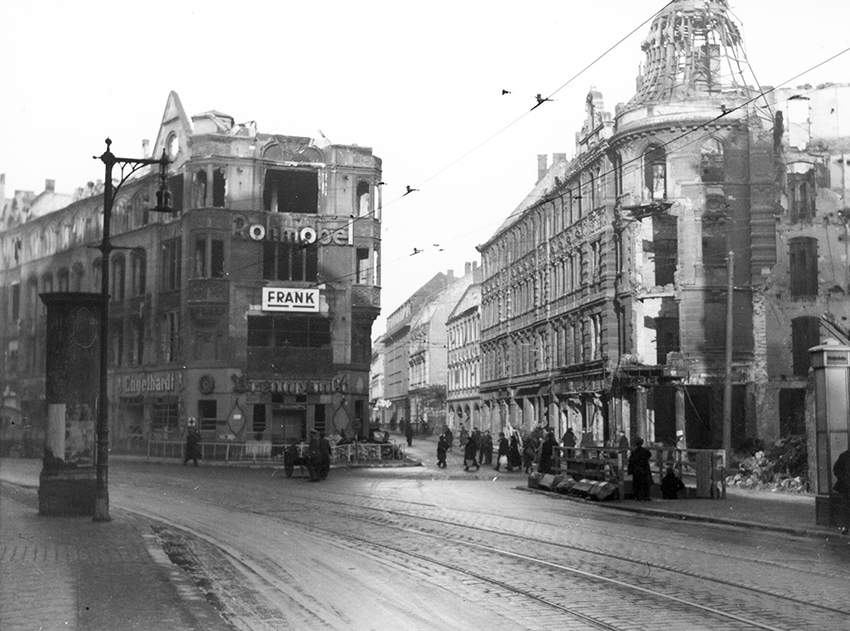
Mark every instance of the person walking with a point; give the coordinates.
(529, 453)
(485, 451)
(442, 448)
(463, 439)
(469, 456)
(504, 448)
(450, 437)
(314, 456)
(324, 456)
(408, 433)
(193, 444)
(841, 470)
(640, 470)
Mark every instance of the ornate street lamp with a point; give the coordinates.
(163, 204)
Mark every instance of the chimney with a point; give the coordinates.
(467, 268)
(146, 148)
(542, 158)
(49, 186)
(474, 265)
(451, 274)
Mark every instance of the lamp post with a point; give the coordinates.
(128, 167)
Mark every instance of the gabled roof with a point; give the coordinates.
(471, 299)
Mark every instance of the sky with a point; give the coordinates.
(419, 82)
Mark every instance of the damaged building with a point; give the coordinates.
(605, 294)
(249, 308)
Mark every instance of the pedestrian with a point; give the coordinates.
(623, 442)
(442, 448)
(324, 456)
(485, 451)
(502, 455)
(514, 459)
(469, 456)
(640, 470)
(841, 470)
(547, 452)
(529, 453)
(569, 438)
(314, 456)
(193, 444)
(463, 438)
(408, 433)
(450, 437)
(671, 484)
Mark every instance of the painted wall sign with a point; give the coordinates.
(149, 383)
(290, 299)
(273, 228)
(241, 383)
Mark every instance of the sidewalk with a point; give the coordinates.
(778, 512)
(72, 573)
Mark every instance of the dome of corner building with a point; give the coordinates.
(693, 51)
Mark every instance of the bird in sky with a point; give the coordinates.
(380, 183)
(410, 190)
(415, 251)
(504, 92)
(540, 101)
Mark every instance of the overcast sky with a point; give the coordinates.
(419, 82)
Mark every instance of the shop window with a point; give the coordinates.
(207, 415)
(164, 418)
(170, 264)
(805, 333)
(289, 331)
(291, 191)
(258, 422)
(655, 172)
(290, 261)
(712, 166)
(803, 266)
(219, 188)
(319, 418)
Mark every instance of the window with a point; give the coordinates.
(63, 279)
(138, 271)
(801, 190)
(290, 261)
(164, 417)
(298, 331)
(291, 192)
(596, 336)
(199, 189)
(116, 341)
(362, 274)
(209, 256)
(219, 188)
(364, 199)
(77, 275)
(666, 338)
(597, 256)
(712, 167)
(207, 415)
(655, 172)
(12, 357)
(805, 333)
(258, 423)
(16, 300)
(803, 266)
(170, 336)
(175, 187)
(171, 259)
(117, 277)
(137, 343)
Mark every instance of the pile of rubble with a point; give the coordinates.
(598, 490)
(781, 469)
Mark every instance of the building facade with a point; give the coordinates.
(463, 374)
(605, 293)
(249, 308)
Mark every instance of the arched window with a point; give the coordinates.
(77, 275)
(655, 172)
(712, 165)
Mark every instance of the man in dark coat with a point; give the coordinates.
(450, 437)
(408, 433)
(640, 470)
(470, 454)
(514, 459)
(546, 452)
(314, 456)
(442, 448)
(193, 444)
(503, 451)
(485, 450)
(841, 470)
(671, 484)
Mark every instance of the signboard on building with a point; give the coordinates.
(290, 299)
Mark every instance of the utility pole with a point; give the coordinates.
(727, 388)
(128, 167)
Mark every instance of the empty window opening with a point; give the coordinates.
(258, 424)
(171, 255)
(362, 266)
(712, 166)
(666, 338)
(792, 411)
(364, 198)
(666, 247)
(801, 191)
(175, 187)
(291, 331)
(138, 271)
(803, 263)
(200, 189)
(219, 188)
(118, 280)
(805, 333)
(290, 261)
(170, 336)
(655, 172)
(291, 192)
(64, 279)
